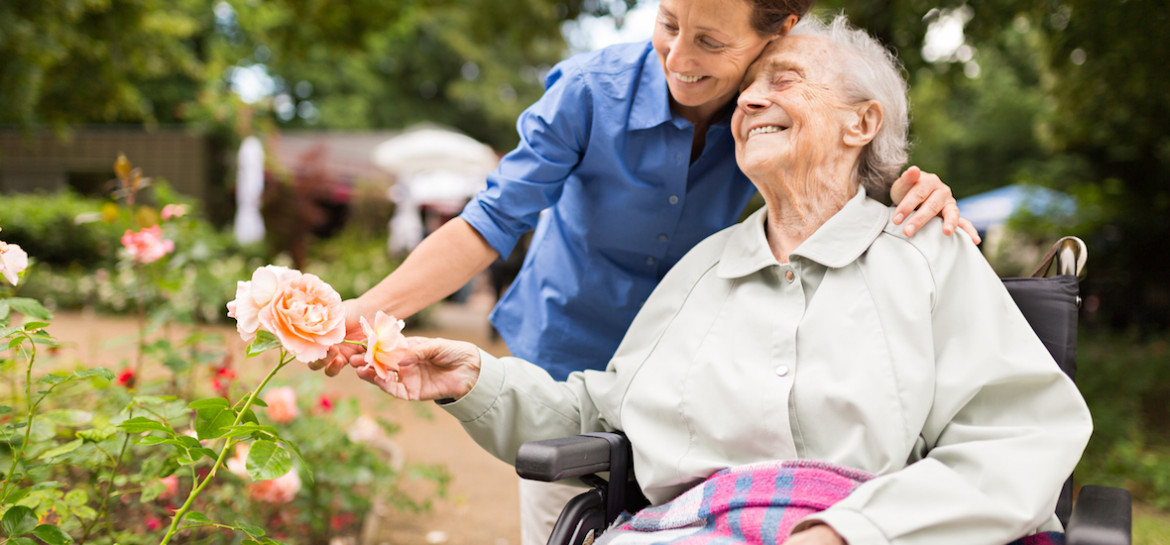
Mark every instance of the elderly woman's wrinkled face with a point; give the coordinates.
(790, 114)
(705, 47)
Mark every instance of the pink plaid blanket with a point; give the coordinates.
(757, 503)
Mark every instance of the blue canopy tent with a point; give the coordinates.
(997, 206)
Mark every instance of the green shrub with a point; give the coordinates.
(1126, 382)
(61, 228)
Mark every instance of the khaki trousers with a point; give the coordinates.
(540, 505)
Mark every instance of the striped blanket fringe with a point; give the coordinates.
(752, 504)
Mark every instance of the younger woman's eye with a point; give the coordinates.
(710, 44)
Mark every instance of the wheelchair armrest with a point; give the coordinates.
(567, 457)
(582, 456)
(1101, 516)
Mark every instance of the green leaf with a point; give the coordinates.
(16, 342)
(4, 309)
(263, 342)
(139, 424)
(69, 417)
(30, 307)
(76, 497)
(196, 516)
(63, 449)
(18, 521)
(5, 409)
(22, 541)
(266, 460)
(97, 435)
(210, 423)
(95, 372)
(52, 535)
(252, 531)
(7, 330)
(34, 326)
(206, 452)
(209, 403)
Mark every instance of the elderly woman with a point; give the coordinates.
(813, 331)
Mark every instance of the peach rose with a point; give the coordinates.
(280, 490)
(147, 245)
(13, 260)
(256, 294)
(238, 464)
(172, 211)
(385, 345)
(307, 316)
(282, 404)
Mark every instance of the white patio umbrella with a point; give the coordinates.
(429, 149)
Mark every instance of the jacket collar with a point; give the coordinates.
(837, 243)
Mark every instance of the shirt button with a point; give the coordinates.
(673, 199)
(662, 238)
(649, 260)
(782, 371)
(678, 159)
(789, 276)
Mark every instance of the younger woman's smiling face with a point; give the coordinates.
(705, 48)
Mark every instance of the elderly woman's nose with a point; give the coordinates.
(680, 57)
(752, 98)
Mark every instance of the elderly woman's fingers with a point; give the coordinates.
(391, 387)
(335, 365)
(935, 202)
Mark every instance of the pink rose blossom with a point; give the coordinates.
(238, 464)
(172, 211)
(385, 344)
(170, 487)
(307, 316)
(282, 405)
(280, 490)
(256, 294)
(147, 245)
(13, 260)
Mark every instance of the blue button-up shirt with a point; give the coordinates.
(608, 162)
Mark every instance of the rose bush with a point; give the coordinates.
(91, 456)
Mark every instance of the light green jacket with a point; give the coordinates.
(902, 357)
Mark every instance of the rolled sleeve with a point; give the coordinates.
(554, 133)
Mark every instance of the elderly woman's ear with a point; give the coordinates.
(864, 122)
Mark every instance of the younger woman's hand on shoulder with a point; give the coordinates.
(925, 192)
(430, 369)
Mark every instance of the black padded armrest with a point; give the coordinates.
(1102, 515)
(566, 457)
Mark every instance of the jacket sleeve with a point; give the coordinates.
(1005, 430)
(515, 401)
(554, 133)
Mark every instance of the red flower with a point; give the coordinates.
(222, 379)
(153, 522)
(325, 404)
(341, 521)
(126, 378)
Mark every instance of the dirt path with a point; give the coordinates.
(481, 504)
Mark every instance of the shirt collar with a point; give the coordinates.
(837, 243)
(651, 98)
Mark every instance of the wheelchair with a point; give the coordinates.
(1049, 300)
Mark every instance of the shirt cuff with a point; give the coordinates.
(484, 394)
(851, 525)
(477, 216)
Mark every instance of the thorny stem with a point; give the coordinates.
(32, 356)
(106, 493)
(285, 358)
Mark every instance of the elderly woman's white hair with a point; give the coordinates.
(869, 71)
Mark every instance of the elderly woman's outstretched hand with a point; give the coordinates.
(430, 369)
